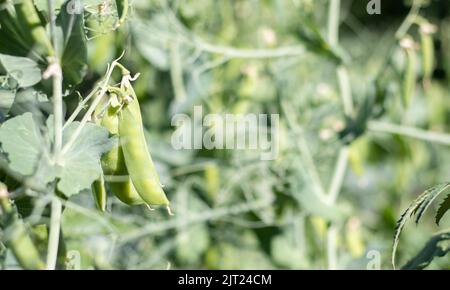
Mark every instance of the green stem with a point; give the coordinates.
(341, 165)
(409, 20)
(339, 174)
(430, 136)
(333, 22)
(53, 238)
(176, 72)
(56, 73)
(104, 87)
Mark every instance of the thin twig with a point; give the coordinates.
(429, 136)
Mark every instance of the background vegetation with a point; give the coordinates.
(358, 142)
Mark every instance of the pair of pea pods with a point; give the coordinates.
(128, 169)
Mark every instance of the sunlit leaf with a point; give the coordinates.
(24, 70)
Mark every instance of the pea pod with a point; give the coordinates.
(410, 75)
(99, 191)
(427, 44)
(113, 163)
(122, 11)
(135, 151)
(15, 235)
(25, 10)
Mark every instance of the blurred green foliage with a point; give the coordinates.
(232, 210)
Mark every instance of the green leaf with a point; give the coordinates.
(6, 100)
(287, 253)
(443, 208)
(21, 140)
(417, 209)
(12, 38)
(81, 164)
(42, 5)
(24, 70)
(191, 241)
(149, 41)
(437, 246)
(74, 58)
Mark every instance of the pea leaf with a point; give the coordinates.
(13, 38)
(25, 147)
(149, 41)
(81, 164)
(24, 70)
(21, 140)
(6, 100)
(74, 58)
(287, 253)
(191, 241)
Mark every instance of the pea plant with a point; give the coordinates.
(88, 89)
(45, 155)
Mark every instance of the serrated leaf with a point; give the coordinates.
(437, 246)
(443, 208)
(417, 209)
(434, 193)
(24, 70)
(21, 140)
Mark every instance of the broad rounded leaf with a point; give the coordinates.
(21, 140)
(81, 164)
(24, 70)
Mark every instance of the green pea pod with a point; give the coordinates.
(99, 191)
(410, 74)
(25, 10)
(122, 11)
(15, 235)
(137, 158)
(427, 44)
(410, 78)
(113, 164)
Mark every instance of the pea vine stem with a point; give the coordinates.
(54, 70)
(412, 132)
(103, 88)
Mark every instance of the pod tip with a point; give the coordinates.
(169, 211)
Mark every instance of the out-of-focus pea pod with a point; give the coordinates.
(100, 195)
(427, 44)
(25, 10)
(212, 178)
(135, 151)
(98, 187)
(353, 237)
(359, 150)
(410, 74)
(15, 235)
(122, 11)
